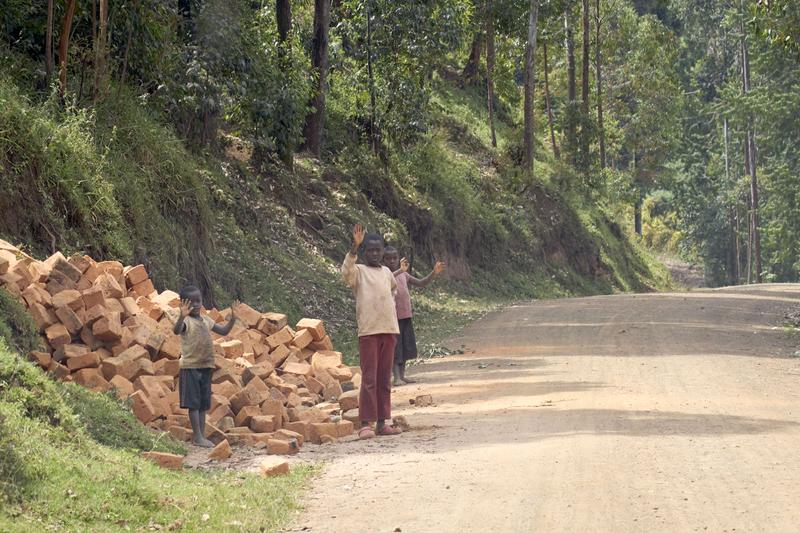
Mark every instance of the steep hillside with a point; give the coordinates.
(117, 183)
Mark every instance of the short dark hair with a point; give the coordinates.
(187, 291)
(389, 250)
(373, 237)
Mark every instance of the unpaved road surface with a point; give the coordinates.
(631, 413)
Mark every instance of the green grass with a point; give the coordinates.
(69, 459)
(16, 325)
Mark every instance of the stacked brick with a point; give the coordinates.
(106, 327)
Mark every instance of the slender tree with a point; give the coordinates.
(490, 67)
(750, 158)
(530, 51)
(48, 42)
(571, 127)
(319, 62)
(598, 61)
(63, 45)
(373, 134)
(550, 124)
(585, 90)
(283, 14)
(128, 43)
(101, 51)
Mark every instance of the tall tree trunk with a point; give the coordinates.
(63, 46)
(637, 215)
(372, 103)
(100, 52)
(746, 146)
(734, 264)
(530, 52)
(598, 66)
(737, 245)
(750, 153)
(48, 42)
(754, 220)
(490, 67)
(547, 103)
(186, 24)
(319, 62)
(283, 14)
(571, 127)
(637, 204)
(470, 73)
(585, 90)
(128, 44)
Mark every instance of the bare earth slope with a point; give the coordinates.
(657, 412)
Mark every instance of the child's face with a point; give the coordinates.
(196, 302)
(391, 260)
(373, 253)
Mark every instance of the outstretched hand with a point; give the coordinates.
(438, 268)
(404, 265)
(235, 308)
(186, 308)
(358, 235)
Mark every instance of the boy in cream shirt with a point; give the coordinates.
(374, 287)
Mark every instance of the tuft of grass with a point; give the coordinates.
(110, 422)
(16, 325)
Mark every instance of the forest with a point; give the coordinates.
(675, 119)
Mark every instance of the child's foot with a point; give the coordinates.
(408, 380)
(366, 433)
(386, 431)
(203, 442)
(398, 383)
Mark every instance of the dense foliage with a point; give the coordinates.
(633, 99)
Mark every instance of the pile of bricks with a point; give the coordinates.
(106, 327)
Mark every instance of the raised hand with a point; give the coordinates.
(404, 264)
(235, 308)
(358, 235)
(438, 268)
(186, 308)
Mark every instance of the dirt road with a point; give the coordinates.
(631, 413)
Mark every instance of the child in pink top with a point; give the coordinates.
(406, 346)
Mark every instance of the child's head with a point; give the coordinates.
(195, 297)
(391, 258)
(373, 249)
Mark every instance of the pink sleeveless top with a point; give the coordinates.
(402, 300)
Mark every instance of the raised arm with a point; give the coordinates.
(438, 268)
(349, 270)
(224, 330)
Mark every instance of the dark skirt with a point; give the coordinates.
(195, 388)
(406, 347)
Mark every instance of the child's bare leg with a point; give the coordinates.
(402, 367)
(397, 372)
(197, 419)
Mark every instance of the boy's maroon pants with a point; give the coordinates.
(377, 356)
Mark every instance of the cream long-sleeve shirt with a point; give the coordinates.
(374, 289)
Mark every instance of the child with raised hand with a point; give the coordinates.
(373, 286)
(406, 347)
(197, 359)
